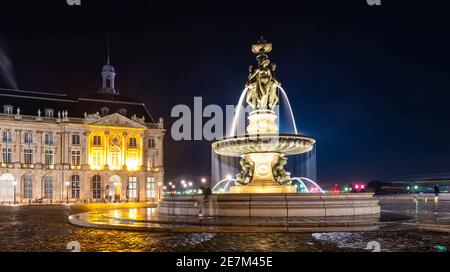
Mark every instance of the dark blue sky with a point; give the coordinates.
(371, 84)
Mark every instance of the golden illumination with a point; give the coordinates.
(115, 148)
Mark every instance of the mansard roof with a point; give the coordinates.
(30, 102)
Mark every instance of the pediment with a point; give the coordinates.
(116, 120)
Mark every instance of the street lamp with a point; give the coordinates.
(203, 180)
(15, 184)
(67, 192)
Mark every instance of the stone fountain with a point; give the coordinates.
(263, 150)
(263, 187)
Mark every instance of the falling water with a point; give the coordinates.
(302, 183)
(240, 114)
(314, 184)
(291, 113)
(302, 165)
(226, 187)
(222, 166)
(6, 66)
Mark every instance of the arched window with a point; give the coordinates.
(104, 111)
(122, 111)
(75, 186)
(48, 187)
(7, 187)
(27, 186)
(132, 187)
(96, 187)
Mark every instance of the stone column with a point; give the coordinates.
(86, 148)
(106, 149)
(39, 145)
(124, 149)
(18, 146)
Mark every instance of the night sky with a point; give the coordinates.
(370, 83)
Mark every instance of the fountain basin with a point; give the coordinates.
(273, 205)
(281, 143)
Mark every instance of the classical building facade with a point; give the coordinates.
(56, 148)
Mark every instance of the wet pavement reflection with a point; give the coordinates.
(45, 228)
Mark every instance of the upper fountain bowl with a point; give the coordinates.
(279, 143)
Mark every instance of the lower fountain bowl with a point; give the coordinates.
(272, 205)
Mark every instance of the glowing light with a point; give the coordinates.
(416, 187)
(228, 176)
(363, 186)
(203, 180)
(356, 186)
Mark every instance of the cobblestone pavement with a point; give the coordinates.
(45, 228)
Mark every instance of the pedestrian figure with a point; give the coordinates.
(203, 199)
(436, 190)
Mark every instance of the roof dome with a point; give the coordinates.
(108, 68)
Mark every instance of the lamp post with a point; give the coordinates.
(190, 186)
(15, 184)
(67, 192)
(159, 190)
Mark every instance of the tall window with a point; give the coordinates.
(152, 161)
(132, 187)
(48, 158)
(97, 159)
(75, 186)
(7, 155)
(150, 187)
(7, 136)
(151, 143)
(48, 187)
(96, 187)
(132, 161)
(133, 143)
(27, 186)
(97, 140)
(28, 137)
(28, 156)
(48, 139)
(115, 159)
(76, 139)
(76, 157)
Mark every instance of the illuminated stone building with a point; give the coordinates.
(57, 148)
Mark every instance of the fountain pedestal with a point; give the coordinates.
(263, 180)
